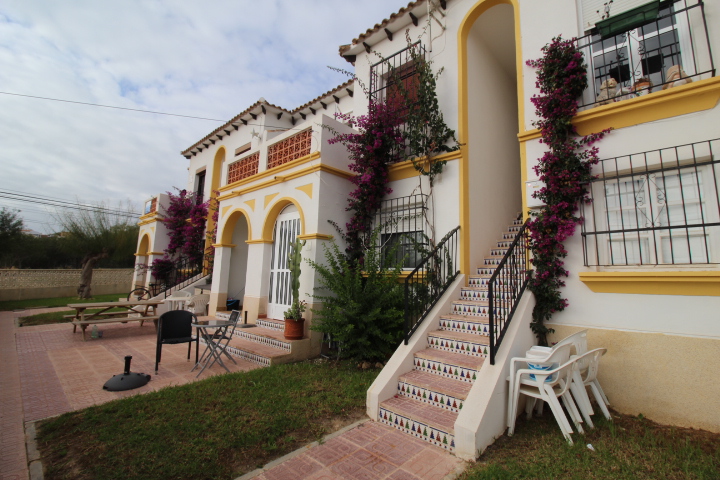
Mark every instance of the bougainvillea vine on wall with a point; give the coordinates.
(565, 169)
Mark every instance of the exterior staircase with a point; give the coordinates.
(430, 397)
(264, 344)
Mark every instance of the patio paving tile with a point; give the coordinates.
(369, 451)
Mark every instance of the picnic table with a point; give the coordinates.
(147, 311)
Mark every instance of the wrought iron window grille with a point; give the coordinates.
(403, 227)
(660, 207)
(640, 59)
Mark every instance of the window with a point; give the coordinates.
(387, 75)
(402, 227)
(641, 59)
(656, 208)
(200, 186)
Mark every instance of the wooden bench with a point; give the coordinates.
(83, 324)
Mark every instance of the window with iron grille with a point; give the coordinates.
(243, 168)
(290, 149)
(639, 60)
(660, 207)
(395, 80)
(402, 227)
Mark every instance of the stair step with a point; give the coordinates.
(427, 422)
(269, 323)
(448, 364)
(265, 336)
(492, 260)
(463, 323)
(428, 388)
(504, 244)
(258, 353)
(514, 228)
(498, 252)
(471, 344)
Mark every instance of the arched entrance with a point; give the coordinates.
(141, 262)
(237, 273)
(287, 228)
(492, 181)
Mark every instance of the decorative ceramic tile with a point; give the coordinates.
(478, 281)
(250, 357)
(474, 349)
(492, 261)
(289, 149)
(463, 326)
(514, 228)
(243, 168)
(285, 346)
(475, 309)
(504, 244)
(498, 252)
(431, 397)
(445, 369)
(418, 429)
(265, 323)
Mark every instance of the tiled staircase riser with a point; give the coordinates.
(430, 397)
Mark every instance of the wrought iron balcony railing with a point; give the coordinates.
(671, 50)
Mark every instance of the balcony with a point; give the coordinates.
(670, 50)
(660, 207)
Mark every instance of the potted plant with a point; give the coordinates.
(294, 321)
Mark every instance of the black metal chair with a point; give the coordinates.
(234, 318)
(174, 327)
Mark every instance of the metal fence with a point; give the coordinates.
(660, 207)
(650, 57)
(429, 281)
(506, 286)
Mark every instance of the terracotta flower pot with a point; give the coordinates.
(294, 329)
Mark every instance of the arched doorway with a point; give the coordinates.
(287, 228)
(493, 180)
(141, 262)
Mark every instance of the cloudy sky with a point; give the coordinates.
(208, 59)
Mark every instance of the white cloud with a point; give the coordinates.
(209, 59)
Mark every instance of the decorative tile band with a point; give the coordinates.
(514, 228)
(250, 357)
(445, 370)
(473, 349)
(476, 310)
(504, 244)
(463, 326)
(279, 327)
(431, 397)
(492, 261)
(417, 429)
(498, 251)
(263, 340)
(478, 281)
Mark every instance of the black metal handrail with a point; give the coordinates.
(506, 286)
(182, 274)
(428, 282)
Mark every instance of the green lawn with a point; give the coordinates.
(627, 448)
(219, 428)
(56, 302)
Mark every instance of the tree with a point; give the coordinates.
(10, 231)
(96, 233)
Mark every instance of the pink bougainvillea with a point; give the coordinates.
(565, 169)
(185, 220)
(371, 151)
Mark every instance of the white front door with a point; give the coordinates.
(287, 227)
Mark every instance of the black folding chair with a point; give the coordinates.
(175, 327)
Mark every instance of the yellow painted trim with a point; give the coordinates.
(155, 253)
(523, 179)
(148, 216)
(225, 210)
(315, 236)
(149, 221)
(228, 245)
(251, 204)
(463, 32)
(688, 98)
(229, 226)
(280, 179)
(406, 169)
(271, 172)
(269, 198)
(143, 245)
(250, 242)
(271, 217)
(703, 283)
(306, 189)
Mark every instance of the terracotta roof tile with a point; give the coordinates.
(378, 26)
(262, 101)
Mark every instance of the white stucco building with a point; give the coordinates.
(644, 277)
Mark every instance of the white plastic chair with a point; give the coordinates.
(585, 375)
(198, 304)
(548, 386)
(177, 300)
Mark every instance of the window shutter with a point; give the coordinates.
(590, 9)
